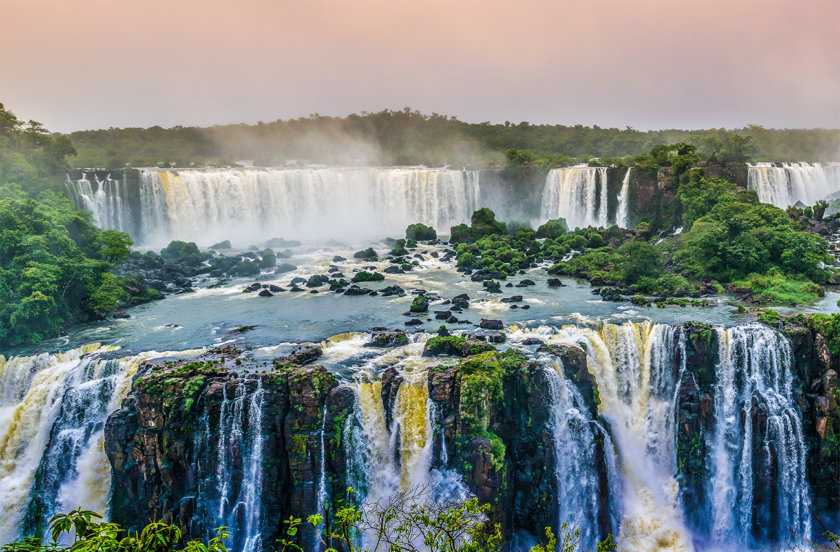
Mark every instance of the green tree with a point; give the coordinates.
(89, 534)
(642, 259)
(109, 295)
(114, 246)
(54, 261)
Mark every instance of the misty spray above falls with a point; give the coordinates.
(251, 205)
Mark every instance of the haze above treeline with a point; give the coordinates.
(409, 137)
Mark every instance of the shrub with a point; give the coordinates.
(182, 252)
(366, 254)
(248, 268)
(420, 232)
(268, 259)
(553, 228)
(364, 276)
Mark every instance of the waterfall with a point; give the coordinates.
(384, 459)
(109, 200)
(633, 364)
(396, 456)
(574, 452)
(578, 194)
(256, 204)
(788, 183)
(322, 480)
(757, 423)
(233, 495)
(637, 368)
(53, 409)
(622, 217)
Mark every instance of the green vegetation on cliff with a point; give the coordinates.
(54, 262)
(731, 239)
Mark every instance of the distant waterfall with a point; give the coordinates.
(52, 413)
(622, 217)
(109, 200)
(785, 184)
(578, 194)
(256, 204)
(757, 430)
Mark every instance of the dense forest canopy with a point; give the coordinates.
(409, 137)
(54, 262)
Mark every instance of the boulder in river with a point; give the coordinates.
(420, 304)
(356, 290)
(387, 338)
(317, 280)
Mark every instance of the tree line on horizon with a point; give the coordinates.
(409, 137)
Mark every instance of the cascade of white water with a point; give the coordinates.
(627, 361)
(107, 199)
(785, 184)
(238, 504)
(622, 217)
(385, 459)
(53, 411)
(578, 194)
(322, 479)
(254, 204)
(634, 365)
(574, 452)
(667, 356)
(754, 372)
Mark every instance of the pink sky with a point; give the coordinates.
(78, 64)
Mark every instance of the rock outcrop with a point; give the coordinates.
(492, 423)
(168, 442)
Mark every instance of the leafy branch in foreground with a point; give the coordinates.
(412, 521)
(797, 543)
(88, 534)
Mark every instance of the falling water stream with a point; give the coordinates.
(54, 406)
(318, 203)
(786, 184)
(53, 412)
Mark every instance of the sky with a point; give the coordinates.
(87, 64)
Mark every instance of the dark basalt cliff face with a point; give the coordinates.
(494, 412)
(492, 421)
(815, 369)
(167, 442)
(653, 197)
(164, 443)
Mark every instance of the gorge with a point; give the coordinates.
(669, 436)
